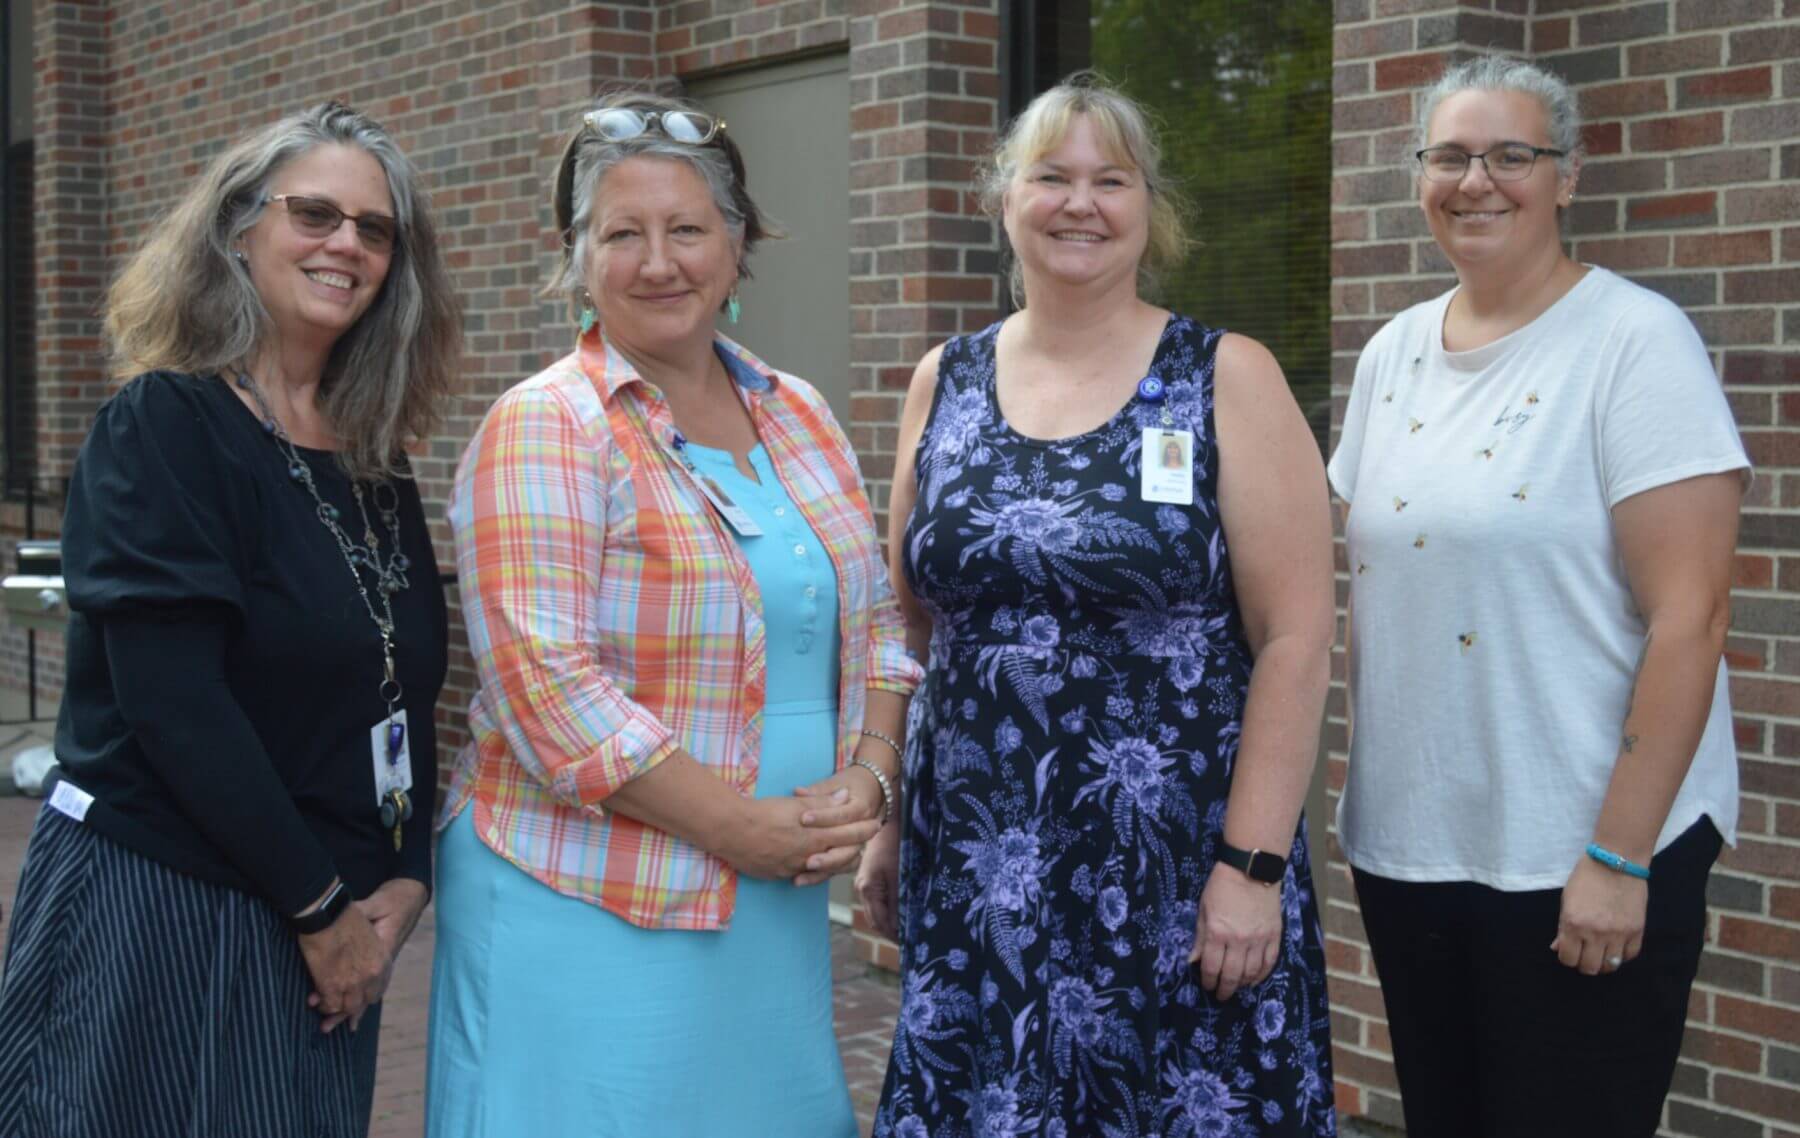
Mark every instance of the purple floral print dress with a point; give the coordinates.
(1068, 762)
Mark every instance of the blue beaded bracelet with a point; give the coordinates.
(1612, 860)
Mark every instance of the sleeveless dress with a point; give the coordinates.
(1068, 761)
(554, 1018)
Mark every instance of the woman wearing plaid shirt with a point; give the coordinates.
(692, 685)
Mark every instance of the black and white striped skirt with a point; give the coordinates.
(138, 1002)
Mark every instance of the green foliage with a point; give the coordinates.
(1242, 92)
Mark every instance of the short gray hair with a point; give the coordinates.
(1498, 73)
(185, 303)
(588, 158)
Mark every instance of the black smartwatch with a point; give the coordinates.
(325, 915)
(1257, 865)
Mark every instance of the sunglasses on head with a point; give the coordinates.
(318, 219)
(617, 124)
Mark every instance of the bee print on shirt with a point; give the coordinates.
(1488, 450)
(1361, 568)
(1412, 426)
(1419, 542)
(1520, 492)
(1465, 641)
(1399, 503)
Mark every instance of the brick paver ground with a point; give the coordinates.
(865, 1006)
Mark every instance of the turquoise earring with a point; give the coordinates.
(589, 317)
(733, 309)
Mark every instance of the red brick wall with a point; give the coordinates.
(1691, 189)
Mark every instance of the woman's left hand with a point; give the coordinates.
(850, 795)
(1602, 922)
(1238, 937)
(393, 911)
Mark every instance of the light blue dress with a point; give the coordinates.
(554, 1018)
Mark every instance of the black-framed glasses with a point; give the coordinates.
(616, 124)
(318, 219)
(1507, 162)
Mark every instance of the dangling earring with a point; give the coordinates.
(733, 309)
(589, 317)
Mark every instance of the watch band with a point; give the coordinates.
(1258, 865)
(326, 915)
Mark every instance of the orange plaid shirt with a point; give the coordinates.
(613, 619)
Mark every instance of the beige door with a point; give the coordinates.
(792, 121)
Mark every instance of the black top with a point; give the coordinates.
(223, 671)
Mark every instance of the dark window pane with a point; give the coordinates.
(1242, 92)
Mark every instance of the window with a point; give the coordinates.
(18, 454)
(1242, 91)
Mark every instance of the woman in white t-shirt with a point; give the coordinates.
(1545, 480)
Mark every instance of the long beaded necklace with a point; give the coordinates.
(390, 575)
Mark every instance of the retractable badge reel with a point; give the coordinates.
(1168, 453)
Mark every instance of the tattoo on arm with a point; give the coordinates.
(1628, 741)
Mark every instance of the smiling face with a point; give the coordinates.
(1483, 225)
(316, 288)
(1079, 214)
(660, 258)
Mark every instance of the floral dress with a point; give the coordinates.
(1069, 758)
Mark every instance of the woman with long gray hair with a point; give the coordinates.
(1542, 478)
(215, 892)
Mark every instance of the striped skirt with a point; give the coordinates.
(137, 1001)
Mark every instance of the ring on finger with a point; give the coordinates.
(1614, 962)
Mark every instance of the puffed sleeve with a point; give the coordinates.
(158, 519)
(155, 540)
(529, 515)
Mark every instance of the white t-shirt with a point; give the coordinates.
(1494, 638)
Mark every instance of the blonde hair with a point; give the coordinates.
(1125, 132)
(184, 303)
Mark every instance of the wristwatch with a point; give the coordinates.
(325, 915)
(1257, 865)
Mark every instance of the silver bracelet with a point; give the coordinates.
(898, 753)
(887, 788)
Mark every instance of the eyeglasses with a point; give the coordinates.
(318, 219)
(616, 124)
(1507, 162)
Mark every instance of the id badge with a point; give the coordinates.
(1168, 466)
(735, 515)
(393, 764)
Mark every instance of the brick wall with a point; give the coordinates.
(1691, 189)
(925, 104)
(135, 97)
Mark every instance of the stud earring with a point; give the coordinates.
(239, 255)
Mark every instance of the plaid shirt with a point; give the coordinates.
(614, 620)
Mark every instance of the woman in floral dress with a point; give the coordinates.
(1115, 709)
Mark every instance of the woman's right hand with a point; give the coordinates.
(878, 880)
(772, 841)
(349, 968)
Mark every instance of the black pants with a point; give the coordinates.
(1494, 1038)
